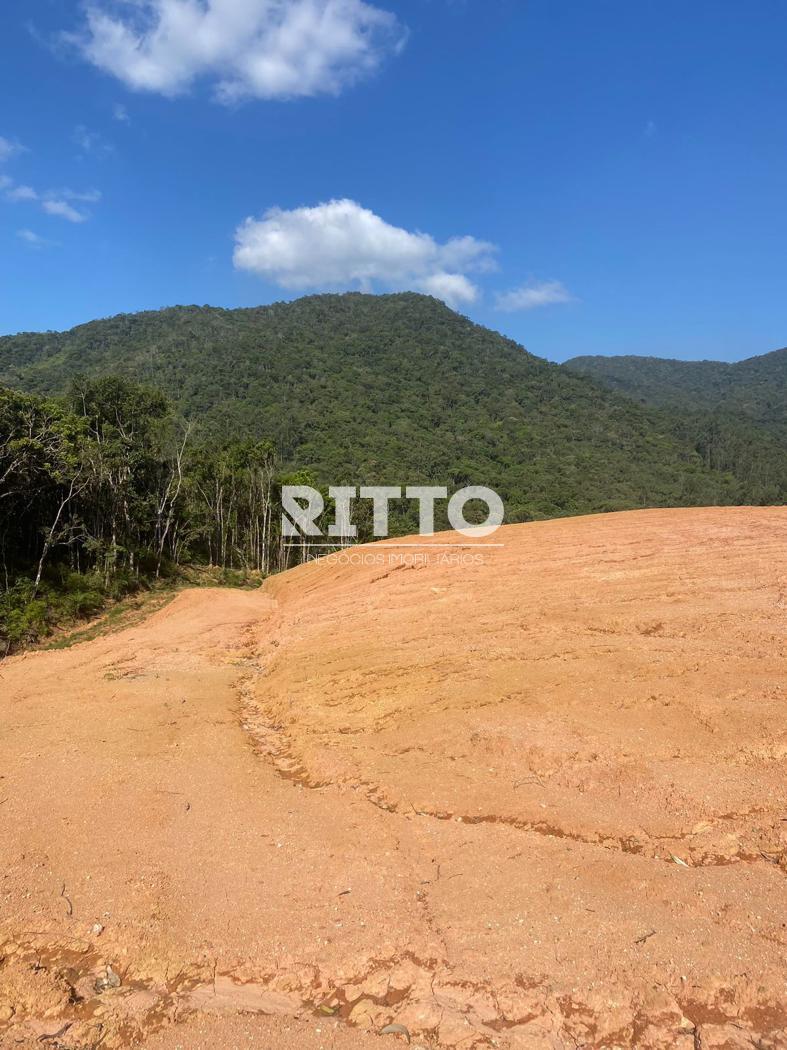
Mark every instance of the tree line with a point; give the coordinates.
(108, 487)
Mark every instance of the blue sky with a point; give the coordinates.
(588, 176)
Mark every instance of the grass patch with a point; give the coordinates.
(72, 608)
(123, 614)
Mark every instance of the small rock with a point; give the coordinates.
(6, 1013)
(364, 1014)
(97, 929)
(108, 979)
(397, 1030)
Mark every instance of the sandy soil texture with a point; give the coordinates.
(526, 796)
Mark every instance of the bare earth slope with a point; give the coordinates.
(534, 802)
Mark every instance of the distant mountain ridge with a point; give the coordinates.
(398, 388)
(754, 389)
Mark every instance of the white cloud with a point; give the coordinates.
(339, 244)
(120, 113)
(53, 202)
(83, 196)
(8, 149)
(91, 142)
(35, 240)
(531, 296)
(452, 288)
(20, 193)
(63, 210)
(248, 48)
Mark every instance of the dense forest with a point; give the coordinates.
(752, 391)
(101, 491)
(134, 445)
(360, 388)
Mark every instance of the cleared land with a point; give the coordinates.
(538, 801)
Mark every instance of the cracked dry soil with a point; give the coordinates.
(534, 802)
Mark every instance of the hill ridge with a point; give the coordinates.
(753, 389)
(399, 388)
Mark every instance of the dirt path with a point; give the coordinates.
(534, 802)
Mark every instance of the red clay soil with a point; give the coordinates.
(528, 796)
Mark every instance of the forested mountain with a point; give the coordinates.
(755, 389)
(131, 445)
(397, 388)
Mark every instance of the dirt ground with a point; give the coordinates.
(523, 796)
